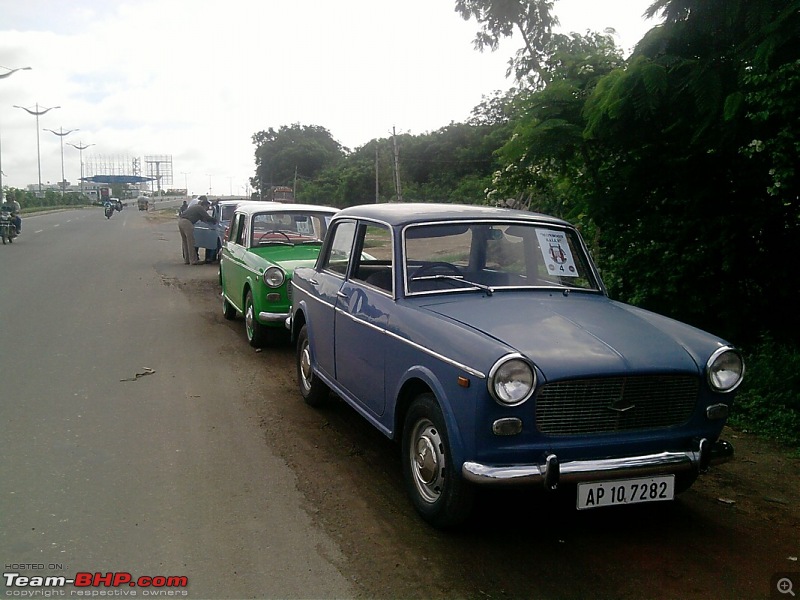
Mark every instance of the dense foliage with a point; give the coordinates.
(680, 163)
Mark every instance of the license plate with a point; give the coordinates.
(625, 491)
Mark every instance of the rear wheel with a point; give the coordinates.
(256, 332)
(314, 391)
(437, 490)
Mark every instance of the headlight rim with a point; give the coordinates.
(273, 269)
(490, 380)
(709, 371)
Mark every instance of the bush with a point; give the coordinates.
(768, 402)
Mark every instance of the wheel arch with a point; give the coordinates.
(421, 381)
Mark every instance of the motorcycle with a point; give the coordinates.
(8, 230)
(108, 211)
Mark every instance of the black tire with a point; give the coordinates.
(314, 391)
(256, 333)
(439, 493)
(228, 310)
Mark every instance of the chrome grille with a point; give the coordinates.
(615, 404)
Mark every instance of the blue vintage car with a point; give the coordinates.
(211, 235)
(484, 341)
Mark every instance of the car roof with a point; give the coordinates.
(397, 214)
(252, 207)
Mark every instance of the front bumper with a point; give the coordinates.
(553, 472)
(271, 317)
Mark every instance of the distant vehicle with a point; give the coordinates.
(280, 193)
(143, 202)
(8, 231)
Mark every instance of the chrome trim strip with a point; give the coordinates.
(231, 302)
(593, 470)
(428, 351)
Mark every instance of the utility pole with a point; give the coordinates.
(377, 196)
(397, 187)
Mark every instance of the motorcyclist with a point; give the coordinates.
(13, 207)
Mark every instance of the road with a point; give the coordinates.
(141, 434)
(164, 474)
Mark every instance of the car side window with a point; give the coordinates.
(338, 252)
(373, 259)
(238, 232)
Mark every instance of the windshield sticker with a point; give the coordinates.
(556, 253)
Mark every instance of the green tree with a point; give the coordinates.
(693, 222)
(532, 20)
(300, 151)
(544, 160)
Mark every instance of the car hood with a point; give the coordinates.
(288, 257)
(581, 335)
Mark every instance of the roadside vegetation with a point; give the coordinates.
(679, 163)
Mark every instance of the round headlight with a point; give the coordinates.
(725, 370)
(511, 380)
(274, 277)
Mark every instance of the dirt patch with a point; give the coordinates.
(726, 537)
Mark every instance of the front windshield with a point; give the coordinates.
(491, 256)
(289, 228)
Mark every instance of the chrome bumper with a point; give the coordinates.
(268, 317)
(553, 472)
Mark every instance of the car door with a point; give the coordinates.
(326, 284)
(362, 316)
(205, 233)
(233, 271)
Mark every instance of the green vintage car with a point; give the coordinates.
(266, 241)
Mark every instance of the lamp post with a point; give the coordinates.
(3, 76)
(80, 148)
(37, 113)
(62, 134)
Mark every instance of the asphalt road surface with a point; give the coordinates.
(141, 435)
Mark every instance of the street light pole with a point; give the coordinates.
(3, 76)
(80, 148)
(37, 113)
(61, 133)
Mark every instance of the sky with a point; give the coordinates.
(195, 79)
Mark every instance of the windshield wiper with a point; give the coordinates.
(478, 286)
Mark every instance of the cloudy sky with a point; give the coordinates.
(195, 79)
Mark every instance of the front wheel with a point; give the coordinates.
(256, 332)
(314, 391)
(439, 493)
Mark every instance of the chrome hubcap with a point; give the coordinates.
(427, 460)
(248, 321)
(305, 367)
